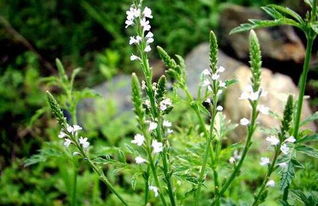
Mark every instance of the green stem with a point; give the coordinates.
(156, 114)
(237, 168)
(302, 84)
(208, 144)
(100, 173)
(269, 173)
(74, 188)
(147, 186)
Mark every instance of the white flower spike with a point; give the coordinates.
(152, 126)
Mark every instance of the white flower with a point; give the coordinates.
(244, 96)
(263, 109)
(129, 23)
(143, 85)
(147, 49)
(282, 164)
(138, 139)
(206, 72)
(270, 183)
(215, 76)
(135, 40)
(83, 141)
(284, 148)
(290, 139)
(208, 100)
(150, 40)
(232, 160)
(147, 13)
(272, 140)
(152, 126)
(222, 84)
(149, 35)
(166, 123)
(73, 129)
(205, 83)
(147, 103)
(140, 160)
(221, 69)
(154, 189)
(244, 122)
(62, 134)
(145, 24)
(264, 161)
(169, 131)
(164, 104)
(157, 146)
(134, 57)
(67, 142)
(254, 96)
(219, 108)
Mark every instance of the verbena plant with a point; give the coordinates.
(176, 175)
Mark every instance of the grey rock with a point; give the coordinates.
(278, 43)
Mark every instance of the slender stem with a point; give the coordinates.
(302, 84)
(147, 186)
(208, 147)
(268, 174)
(74, 188)
(248, 143)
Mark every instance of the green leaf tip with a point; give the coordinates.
(56, 109)
(213, 56)
(255, 60)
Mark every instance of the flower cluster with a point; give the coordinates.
(211, 80)
(143, 39)
(70, 133)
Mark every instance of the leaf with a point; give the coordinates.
(309, 3)
(310, 138)
(311, 118)
(287, 11)
(43, 155)
(256, 24)
(287, 174)
(312, 152)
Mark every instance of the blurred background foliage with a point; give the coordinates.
(88, 34)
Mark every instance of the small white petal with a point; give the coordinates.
(264, 161)
(272, 140)
(148, 48)
(140, 160)
(219, 108)
(152, 126)
(270, 183)
(284, 148)
(62, 134)
(138, 139)
(67, 142)
(221, 69)
(244, 122)
(166, 123)
(290, 139)
(154, 189)
(157, 146)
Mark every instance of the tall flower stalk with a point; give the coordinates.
(252, 95)
(70, 134)
(309, 25)
(155, 103)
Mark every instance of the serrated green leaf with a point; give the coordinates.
(310, 138)
(287, 174)
(312, 152)
(286, 11)
(311, 118)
